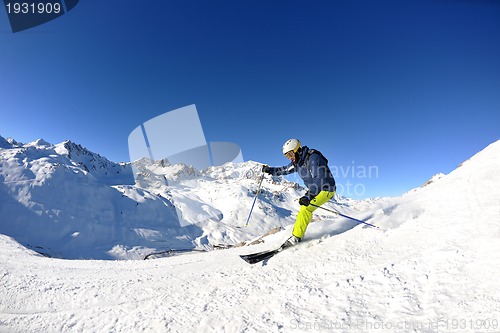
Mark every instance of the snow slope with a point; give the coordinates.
(434, 269)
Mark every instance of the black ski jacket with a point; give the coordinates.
(312, 167)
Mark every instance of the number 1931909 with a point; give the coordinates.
(32, 8)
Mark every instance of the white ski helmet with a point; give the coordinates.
(292, 144)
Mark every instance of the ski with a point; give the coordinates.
(171, 253)
(254, 258)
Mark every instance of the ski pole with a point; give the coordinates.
(255, 199)
(352, 218)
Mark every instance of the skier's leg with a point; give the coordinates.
(302, 221)
(305, 213)
(321, 198)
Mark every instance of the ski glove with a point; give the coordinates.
(309, 195)
(304, 201)
(266, 169)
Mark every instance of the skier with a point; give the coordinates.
(312, 167)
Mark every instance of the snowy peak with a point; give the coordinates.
(69, 155)
(72, 149)
(4, 143)
(162, 169)
(40, 143)
(8, 143)
(94, 164)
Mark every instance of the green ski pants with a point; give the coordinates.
(305, 213)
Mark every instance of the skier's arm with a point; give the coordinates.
(280, 171)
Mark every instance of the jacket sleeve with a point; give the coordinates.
(317, 168)
(281, 171)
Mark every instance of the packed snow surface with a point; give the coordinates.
(433, 268)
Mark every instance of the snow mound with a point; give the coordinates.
(434, 179)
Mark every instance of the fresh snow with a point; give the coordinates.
(433, 268)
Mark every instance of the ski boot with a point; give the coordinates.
(291, 242)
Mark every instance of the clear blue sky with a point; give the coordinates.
(410, 87)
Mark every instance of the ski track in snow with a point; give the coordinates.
(434, 269)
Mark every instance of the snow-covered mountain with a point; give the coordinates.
(434, 268)
(65, 201)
